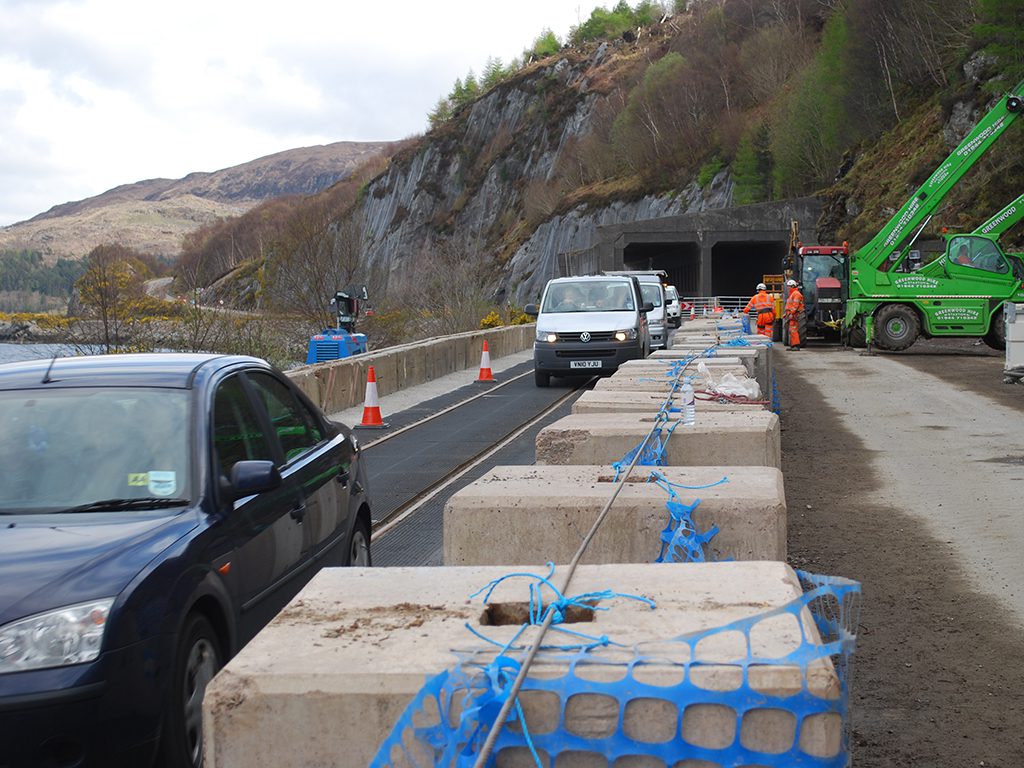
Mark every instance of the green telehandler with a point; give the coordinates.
(871, 298)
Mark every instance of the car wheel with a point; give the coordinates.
(197, 660)
(541, 378)
(896, 327)
(359, 546)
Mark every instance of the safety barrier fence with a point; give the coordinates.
(468, 714)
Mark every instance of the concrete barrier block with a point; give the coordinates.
(726, 438)
(655, 380)
(638, 401)
(326, 681)
(500, 518)
(757, 360)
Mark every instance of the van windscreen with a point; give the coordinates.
(589, 296)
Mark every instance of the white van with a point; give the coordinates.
(589, 325)
(673, 310)
(652, 287)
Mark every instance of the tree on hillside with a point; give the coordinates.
(111, 291)
(1000, 31)
(451, 287)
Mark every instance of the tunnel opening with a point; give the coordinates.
(681, 260)
(737, 267)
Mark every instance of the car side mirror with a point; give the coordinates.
(531, 309)
(251, 477)
(647, 306)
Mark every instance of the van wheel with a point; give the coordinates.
(896, 327)
(541, 378)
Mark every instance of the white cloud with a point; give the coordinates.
(96, 93)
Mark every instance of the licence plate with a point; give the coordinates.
(584, 363)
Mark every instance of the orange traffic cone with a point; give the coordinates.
(371, 406)
(693, 312)
(485, 365)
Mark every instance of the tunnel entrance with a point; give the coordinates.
(680, 260)
(737, 267)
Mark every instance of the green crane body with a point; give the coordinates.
(959, 294)
(1003, 221)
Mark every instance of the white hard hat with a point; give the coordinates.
(791, 282)
(762, 287)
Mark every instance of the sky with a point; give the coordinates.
(97, 93)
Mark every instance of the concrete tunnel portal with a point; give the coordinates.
(736, 266)
(719, 252)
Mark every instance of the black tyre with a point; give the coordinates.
(896, 327)
(996, 336)
(197, 660)
(541, 378)
(856, 337)
(359, 546)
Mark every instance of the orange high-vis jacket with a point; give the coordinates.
(762, 302)
(795, 303)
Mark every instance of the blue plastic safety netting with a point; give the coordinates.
(768, 690)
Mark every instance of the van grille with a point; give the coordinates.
(594, 336)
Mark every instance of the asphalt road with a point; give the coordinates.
(403, 467)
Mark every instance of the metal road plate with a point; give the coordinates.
(584, 363)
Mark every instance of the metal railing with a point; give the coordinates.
(711, 303)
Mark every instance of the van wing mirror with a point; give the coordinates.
(647, 306)
(532, 310)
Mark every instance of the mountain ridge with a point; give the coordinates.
(152, 215)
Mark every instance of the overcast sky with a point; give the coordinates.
(97, 93)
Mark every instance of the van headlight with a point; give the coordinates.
(547, 336)
(69, 635)
(629, 334)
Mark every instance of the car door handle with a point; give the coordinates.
(298, 513)
(342, 478)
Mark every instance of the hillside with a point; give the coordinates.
(153, 215)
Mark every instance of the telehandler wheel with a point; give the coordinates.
(996, 336)
(896, 327)
(856, 337)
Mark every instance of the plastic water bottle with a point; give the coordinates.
(689, 409)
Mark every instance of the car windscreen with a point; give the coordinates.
(63, 448)
(589, 296)
(651, 292)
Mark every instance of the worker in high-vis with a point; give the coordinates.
(761, 308)
(796, 314)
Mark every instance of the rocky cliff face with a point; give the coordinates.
(470, 182)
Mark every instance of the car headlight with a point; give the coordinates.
(547, 336)
(629, 334)
(69, 635)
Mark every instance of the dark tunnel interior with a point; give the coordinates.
(680, 260)
(737, 267)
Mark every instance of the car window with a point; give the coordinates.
(66, 447)
(977, 252)
(651, 292)
(237, 434)
(295, 429)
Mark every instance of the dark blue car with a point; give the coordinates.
(155, 512)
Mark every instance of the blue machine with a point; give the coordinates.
(341, 341)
